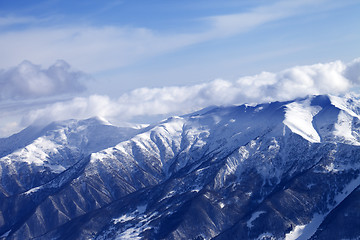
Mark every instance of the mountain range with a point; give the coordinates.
(279, 170)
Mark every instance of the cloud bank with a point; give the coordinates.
(29, 81)
(144, 103)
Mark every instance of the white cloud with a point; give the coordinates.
(144, 103)
(79, 108)
(12, 20)
(100, 48)
(352, 71)
(296, 82)
(27, 81)
(225, 25)
(91, 49)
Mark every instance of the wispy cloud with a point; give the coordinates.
(8, 21)
(99, 48)
(228, 25)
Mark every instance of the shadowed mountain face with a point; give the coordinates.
(283, 170)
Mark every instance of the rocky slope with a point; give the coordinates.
(282, 170)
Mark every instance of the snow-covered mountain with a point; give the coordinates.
(282, 170)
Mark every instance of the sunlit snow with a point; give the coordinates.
(298, 118)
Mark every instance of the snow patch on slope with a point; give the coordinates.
(296, 233)
(343, 104)
(254, 216)
(266, 236)
(298, 118)
(32, 190)
(343, 128)
(38, 153)
(304, 232)
(134, 224)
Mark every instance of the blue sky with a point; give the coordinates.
(115, 49)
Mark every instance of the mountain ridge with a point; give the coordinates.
(230, 171)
